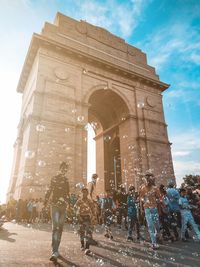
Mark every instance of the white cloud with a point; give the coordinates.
(184, 145)
(186, 141)
(122, 18)
(181, 153)
(179, 39)
(195, 58)
(183, 168)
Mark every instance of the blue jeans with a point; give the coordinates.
(133, 221)
(152, 218)
(187, 217)
(58, 220)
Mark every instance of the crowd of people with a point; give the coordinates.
(168, 213)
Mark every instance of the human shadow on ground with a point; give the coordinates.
(147, 254)
(69, 263)
(98, 257)
(5, 235)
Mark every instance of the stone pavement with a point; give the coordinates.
(23, 245)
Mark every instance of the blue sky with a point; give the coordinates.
(167, 31)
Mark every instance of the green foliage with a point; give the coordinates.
(192, 180)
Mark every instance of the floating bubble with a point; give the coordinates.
(94, 125)
(29, 154)
(140, 104)
(131, 147)
(67, 130)
(80, 118)
(28, 176)
(107, 138)
(41, 163)
(40, 128)
(31, 190)
(86, 127)
(80, 185)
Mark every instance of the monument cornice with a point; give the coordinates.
(42, 41)
(153, 140)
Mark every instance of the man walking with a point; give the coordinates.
(59, 191)
(149, 197)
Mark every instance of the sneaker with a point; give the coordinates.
(54, 257)
(106, 235)
(129, 238)
(87, 251)
(155, 246)
(111, 237)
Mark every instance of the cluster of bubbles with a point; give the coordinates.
(29, 154)
(80, 185)
(100, 262)
(140, 104)
(40, 128)
(142, 131)
(41, 163)
(28, 176)
(107, 138)
(67, 130)
(80, 118)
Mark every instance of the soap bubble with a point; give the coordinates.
(107, 138)
(40, 128)
(27, 175)
(80, 185)
(29, 154)
(41, 163)
(67, 129)
(80, 118)
(140, 104)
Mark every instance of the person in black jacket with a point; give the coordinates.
(59, 192)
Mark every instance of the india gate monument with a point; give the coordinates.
(76, 74)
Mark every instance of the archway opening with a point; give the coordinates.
(107, 113)
(91, 152)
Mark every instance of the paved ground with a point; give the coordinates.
(29, 246)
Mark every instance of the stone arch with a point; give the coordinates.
(108, 109)
(104, 86)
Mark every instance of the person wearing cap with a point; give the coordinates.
(59, 193)
(149, 197)
(132, 213)
(85, 211)
(174, 208)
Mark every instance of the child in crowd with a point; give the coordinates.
(107, 206)
(132, 213)
(85, 212)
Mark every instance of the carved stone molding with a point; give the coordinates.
(61, 73)
(151, 101)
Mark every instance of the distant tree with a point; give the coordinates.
(192, 180)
